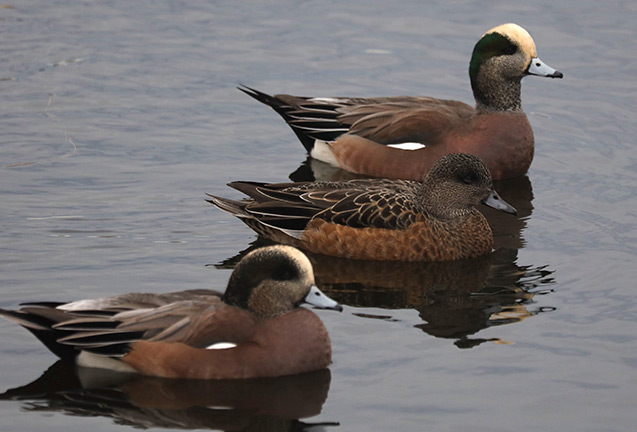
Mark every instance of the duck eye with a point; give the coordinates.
(284, 274)
(509, 50)
(469, 178)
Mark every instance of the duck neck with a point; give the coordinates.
(497, 94)
(441, 205)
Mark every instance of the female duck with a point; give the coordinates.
(378, 219)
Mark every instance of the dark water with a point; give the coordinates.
(118, 116)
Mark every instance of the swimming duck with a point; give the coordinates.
(255, 329)
(401, 137)
(378, 219)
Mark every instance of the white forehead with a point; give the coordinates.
(518, 34)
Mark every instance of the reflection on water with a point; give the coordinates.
(271, 404)
(312, 169)
(456, 299)
(507, 231)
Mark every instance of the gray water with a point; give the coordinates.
(118, 116)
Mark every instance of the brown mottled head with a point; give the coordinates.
(456, 183)
(274, 280)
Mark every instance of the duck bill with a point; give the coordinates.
(316, 298)
(494, 201)
(539, 68)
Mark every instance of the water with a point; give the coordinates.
(118, 116)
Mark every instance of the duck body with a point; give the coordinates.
(378, 219)
(400, 137)
(267, 348)
(255, 329)
(503, 140)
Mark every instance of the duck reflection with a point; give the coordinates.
(507, 231)
(455, 299)
(266, 404)
(315, 170)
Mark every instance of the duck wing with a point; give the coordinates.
(405, 119)
(289, 207)
(110, 325)
(386, 120)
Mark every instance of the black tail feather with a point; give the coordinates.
(282, 109)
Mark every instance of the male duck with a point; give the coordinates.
(255, 329)
(402, 137)
(378, 219)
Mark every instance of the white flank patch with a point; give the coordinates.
(91, 360)
(321, 151)
(328, 100)
(82, 305)
(407, 146)
(222, 345)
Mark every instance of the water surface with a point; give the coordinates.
(118, 116)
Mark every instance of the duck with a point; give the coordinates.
(255, 329)
(434, 219)
(402, 137)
